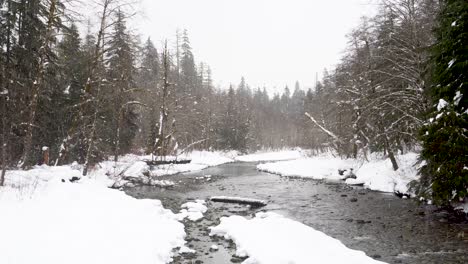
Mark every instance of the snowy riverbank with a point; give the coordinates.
(134, 167)
(377, 174)
(270, 238)
(47, 220)
(274, 155)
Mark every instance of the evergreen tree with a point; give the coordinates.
(187, 65)
(40, 22)
(121, 72)
(149, 71)
(444, 176)
(70, 81)
(227, 130)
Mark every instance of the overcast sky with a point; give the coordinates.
(271, 43)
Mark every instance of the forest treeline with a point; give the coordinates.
(88, 97)
(104, 93)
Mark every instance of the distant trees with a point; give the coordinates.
(234, 125)
(444, 136)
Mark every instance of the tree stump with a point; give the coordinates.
(45, 155)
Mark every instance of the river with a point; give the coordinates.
(382, 225)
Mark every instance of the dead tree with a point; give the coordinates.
(336, 141)
(163, 139)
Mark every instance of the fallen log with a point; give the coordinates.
(239, 200)
(166, 162)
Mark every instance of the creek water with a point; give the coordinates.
(382, 225)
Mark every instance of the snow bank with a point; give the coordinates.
(270, 156)
(270, 238)
(199, 160)
(135, 167)
(59, 222)
(210, 158)
(20, 185)
(377, 174)
(319, 167)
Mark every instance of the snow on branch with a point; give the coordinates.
(191, 145)
(328, 132)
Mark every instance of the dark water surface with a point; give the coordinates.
(382, 225)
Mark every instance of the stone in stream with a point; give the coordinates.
(214, 248)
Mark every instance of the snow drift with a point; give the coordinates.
(46, 220)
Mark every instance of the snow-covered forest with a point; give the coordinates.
(89, 96)
(86, 97)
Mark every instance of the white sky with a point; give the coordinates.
(271, 43)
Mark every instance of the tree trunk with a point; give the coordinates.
(391, 155)
(90, 145)
(119, 127)
(5, 80)
(4, 143)
(393, 160)
(45, 156)
(160, 146)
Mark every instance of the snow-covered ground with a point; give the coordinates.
(272, 156)
(199, 160)
(377, 174)
(270, 238)
(46, 220)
